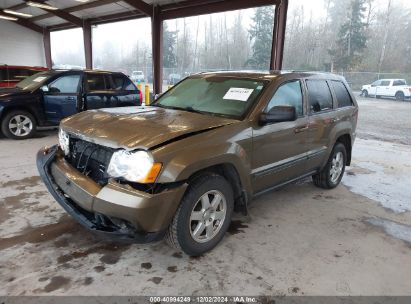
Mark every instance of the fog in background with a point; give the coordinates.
(343, 36)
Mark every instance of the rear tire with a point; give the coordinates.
(18, 125)
(399, 96)
(195, 228)
(330, 176)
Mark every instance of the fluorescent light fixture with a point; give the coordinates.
(82, 1)
(8, 18)
(17, 13)
(41, 5)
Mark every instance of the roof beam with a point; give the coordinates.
(25, 23)
(141, 6)
(64, 15)
(100, 20)
(76, 8)
(210, 7)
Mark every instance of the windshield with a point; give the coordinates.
(217, 95)
(34, 81)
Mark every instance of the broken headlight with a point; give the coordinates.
(134, 166)
(64, 142)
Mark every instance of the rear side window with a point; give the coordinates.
(96, 82)
(319, 96)
(341, 92)
(288, 94)
(121, 82)
(399, 83)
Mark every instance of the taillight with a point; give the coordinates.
(409, 89)
(141, 98)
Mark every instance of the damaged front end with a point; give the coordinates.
(101, 204)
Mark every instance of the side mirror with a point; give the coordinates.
(44, 88)
(278, 114)
(54, 90)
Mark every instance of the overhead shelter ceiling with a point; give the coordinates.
(72, 13)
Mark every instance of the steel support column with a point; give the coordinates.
(157, 49)
(47, 48)
(88, 47)
(280, 22)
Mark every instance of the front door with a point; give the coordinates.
(279, 149)
(61, 97)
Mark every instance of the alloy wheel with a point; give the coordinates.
(20, 125)
(208, 216)
(337, 166)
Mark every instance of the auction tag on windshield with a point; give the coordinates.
(238, 94)
(39, 79)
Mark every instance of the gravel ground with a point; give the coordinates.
(299, 240)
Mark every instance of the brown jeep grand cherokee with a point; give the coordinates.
(206, 147)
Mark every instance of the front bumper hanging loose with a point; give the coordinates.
(112, 210)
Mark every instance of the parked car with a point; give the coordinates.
(397, 88)
(47, 97)
(137, 76)
(204, 148)
(173, 79)
(10, 75)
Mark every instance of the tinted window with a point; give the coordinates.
(385, 83)
(288, 94)
(319, 96)
(121, 82)
(343, 97)
(376, 83)
(65, 84)
(399, 83)
(96, 82)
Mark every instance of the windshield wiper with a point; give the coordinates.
(191, 109)
(188, 109)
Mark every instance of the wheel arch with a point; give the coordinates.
(231, 174)
(345, 139)
(9, 109)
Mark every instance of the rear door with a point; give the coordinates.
(279, 149)
(125, 92)
(61, 97)
(98, 91)
(321, 121)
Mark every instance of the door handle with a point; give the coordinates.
(300, 129)
(71, 98)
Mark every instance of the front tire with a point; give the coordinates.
(365, 93)
(330, 176)
(18, 125)
(203, 217)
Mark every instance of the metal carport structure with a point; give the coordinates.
(60, 15)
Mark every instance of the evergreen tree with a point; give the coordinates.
(261, 33)
(169, 42)
(351, 40)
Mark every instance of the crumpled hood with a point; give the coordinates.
(138, 127)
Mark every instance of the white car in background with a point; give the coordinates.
(137, 76)
(397, 88)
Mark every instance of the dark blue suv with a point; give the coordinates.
(47, 97)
